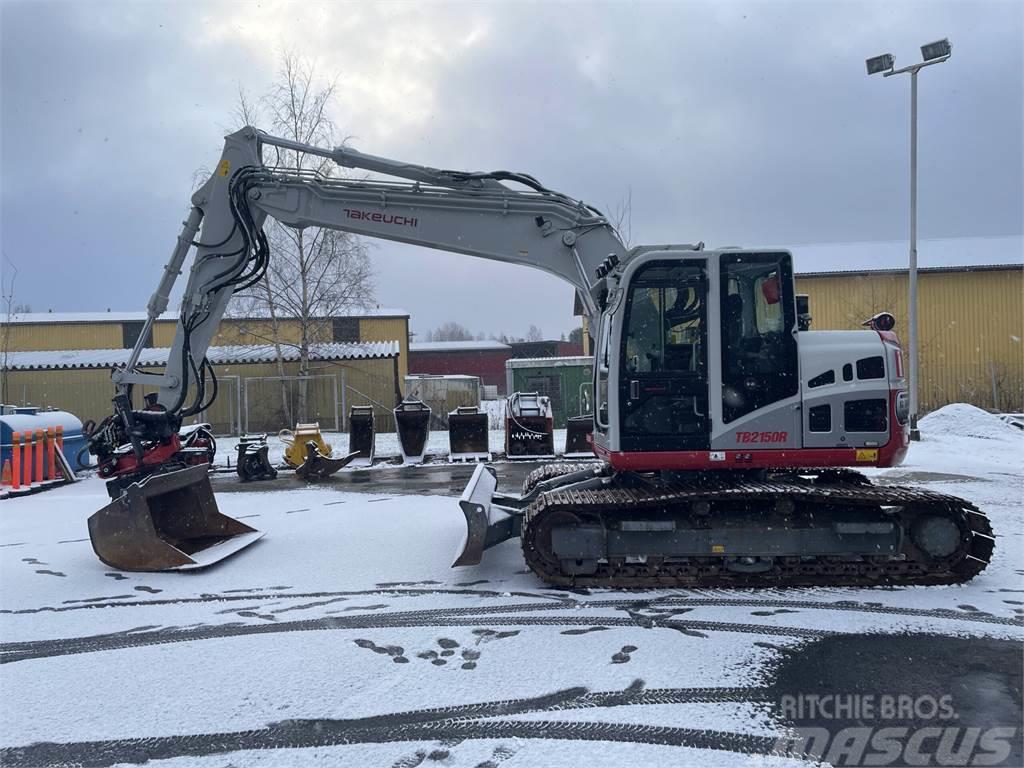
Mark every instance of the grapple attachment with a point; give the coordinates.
(578, 428)
(361, 435)
(490, 518)
(295, 443)
(467, 434)
(317, 466)
(167, 521)
(412, 418)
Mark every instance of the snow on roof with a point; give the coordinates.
(893, 254)
(457, 346)
(548, 362)
(226, 355)
(128, 317)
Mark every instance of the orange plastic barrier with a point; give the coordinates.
(38, 445)
(16, 460)
(51, 455)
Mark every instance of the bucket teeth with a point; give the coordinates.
(167, 521)
(468, 435)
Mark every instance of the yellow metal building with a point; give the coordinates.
(970, 326)
(83, 347)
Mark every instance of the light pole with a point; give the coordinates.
(932, 53)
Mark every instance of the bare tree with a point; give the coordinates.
(9, 309)
(315, 274)
(534, 334)
(620, 216)
(451, 331)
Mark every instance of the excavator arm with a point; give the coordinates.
(477, 214)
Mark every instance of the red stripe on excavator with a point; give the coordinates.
(889, 455)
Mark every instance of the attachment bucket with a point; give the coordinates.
(412, 418)
(578, 429)
(467, 434)
(361, 434)
(167, 521)
(295, 443)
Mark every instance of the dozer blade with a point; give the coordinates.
(317, 466)
(167, 521)
(489, 520)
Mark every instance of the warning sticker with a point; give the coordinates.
(224, 168)
(867, 454)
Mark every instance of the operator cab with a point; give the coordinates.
(698, 341)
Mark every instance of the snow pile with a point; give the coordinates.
(963, 420)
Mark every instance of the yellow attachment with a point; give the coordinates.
(295, 443)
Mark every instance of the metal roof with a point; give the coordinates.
(226, 355)
(457, 346)
(920, 270)
(548, 362)
(128, 317)
(953, 252)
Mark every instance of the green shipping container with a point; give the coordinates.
(568, 381)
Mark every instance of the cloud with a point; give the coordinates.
(730, 123)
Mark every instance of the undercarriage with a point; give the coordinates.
(587, 526)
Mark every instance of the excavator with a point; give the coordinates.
(729, 435)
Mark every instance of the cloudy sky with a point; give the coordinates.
(732, 123)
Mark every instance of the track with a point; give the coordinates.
(809, 496)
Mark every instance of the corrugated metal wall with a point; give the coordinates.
(50, 336)
(971, 328)
(87, 393)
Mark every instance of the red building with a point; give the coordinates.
(485, 359)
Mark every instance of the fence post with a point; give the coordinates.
(995, 389)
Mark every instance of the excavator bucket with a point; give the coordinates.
(317, 466)
(467, 434)
(490, 518)
(166, 522)
(578, 429)
(412, 418)
(361, 435)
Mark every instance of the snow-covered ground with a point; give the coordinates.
(344, 639)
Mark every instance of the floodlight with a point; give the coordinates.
(936, 50)
(882, 63)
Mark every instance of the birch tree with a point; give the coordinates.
(315, 274)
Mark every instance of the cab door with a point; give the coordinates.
(663, 388)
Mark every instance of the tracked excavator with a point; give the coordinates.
(729, 436)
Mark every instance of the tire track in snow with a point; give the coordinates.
(439, 723)
(558, 601)
(37, 649)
